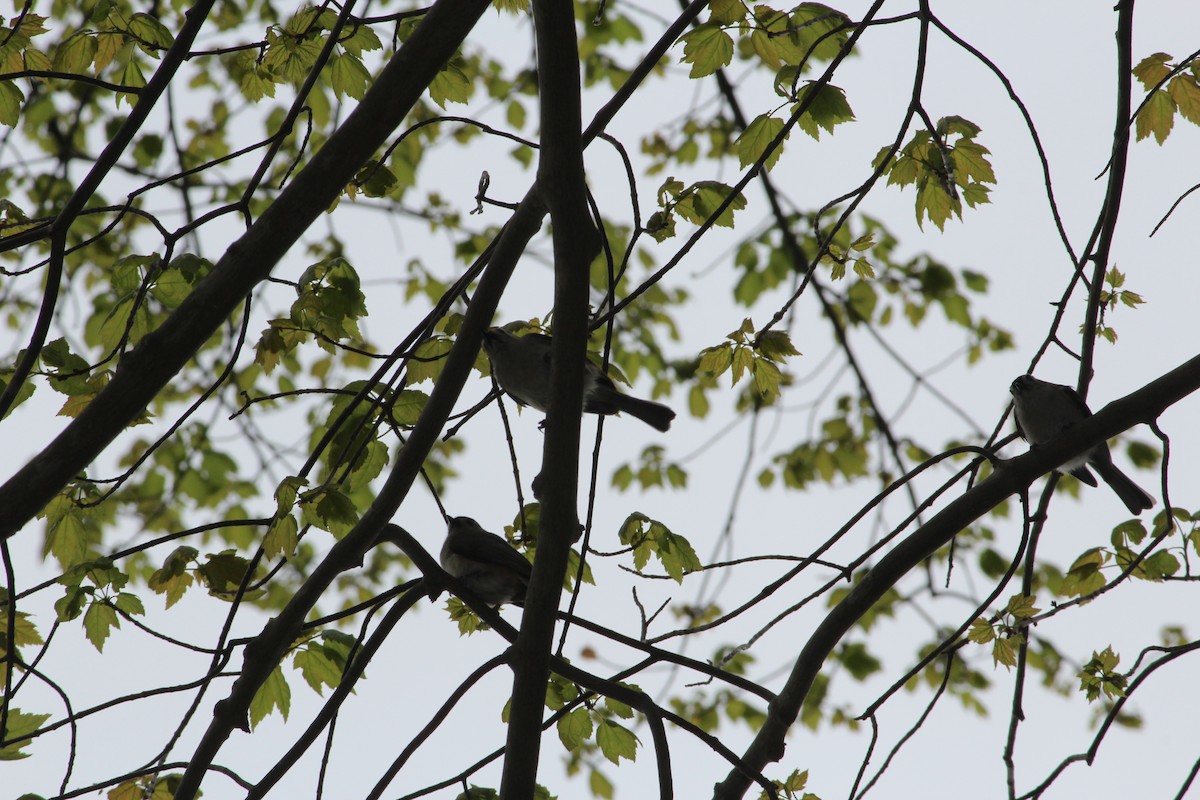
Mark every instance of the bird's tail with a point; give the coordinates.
(656, 415)
(1133, 496)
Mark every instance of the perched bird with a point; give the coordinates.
(1044, 411)
(522, 368)
(485, 563)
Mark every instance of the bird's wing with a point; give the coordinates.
(490, 549)
(1077, 401)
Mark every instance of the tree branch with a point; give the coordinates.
(147, 98)
(560, 182)
(146, 369)
(1112, 195)
(1011, 477)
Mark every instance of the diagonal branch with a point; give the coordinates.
(1144, 405)
(162, 353)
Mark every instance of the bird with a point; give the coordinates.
(485, 563)
(1044, 411)
(521, 365)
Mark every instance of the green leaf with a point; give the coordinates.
(279, 338)
(323, 663)
(152, 34)
(971, 164)
(173, 578)
(282, 537)
(1160, 565)
(108, 47)
(981, 631)
(11, 99)
(767, 378)
(348, 76)
(574, 727)
(700, 201)
(223, 573)
(1152, 69)
(367, 467)
(727, 11)
(1099, 676)
(511, 6)
(934, 203)
(863, 299)
(1156, 117)
(289, 57)
(828, 109)
(677, 555)
(451, 85)
(375, 180)
(771, 43)
(76, 54)
(1003, 652)
(1021, 606)
(617, 707)
(858, 661)
(66, 535)
(329, 509)
(776, 345)
(175, 282)
(1085, 576)
(616, 742)
(24, 631)
(257, 80)
(273, 694)
(408, 405)
(743, 361)
(1185, 91)
(957, 309)
(98, 621)
(129, 603)
(131, 76)
(287, 491)
(362, 40)
(19, 726)
(813, 27)
(707, 48)
(428, 359)
(600, 786)
(755, 139)
(715, 360)
(70, 605)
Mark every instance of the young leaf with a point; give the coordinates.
(616, 742)
(273, 694)
(98, 622)
(707, 48)
(755, 139)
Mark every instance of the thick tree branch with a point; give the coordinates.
(146, 369)
(1144, 405)
(271, 643)
(564, 192)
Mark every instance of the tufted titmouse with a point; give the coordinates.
(485, 563)
(522, 368)
(1044, 411)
